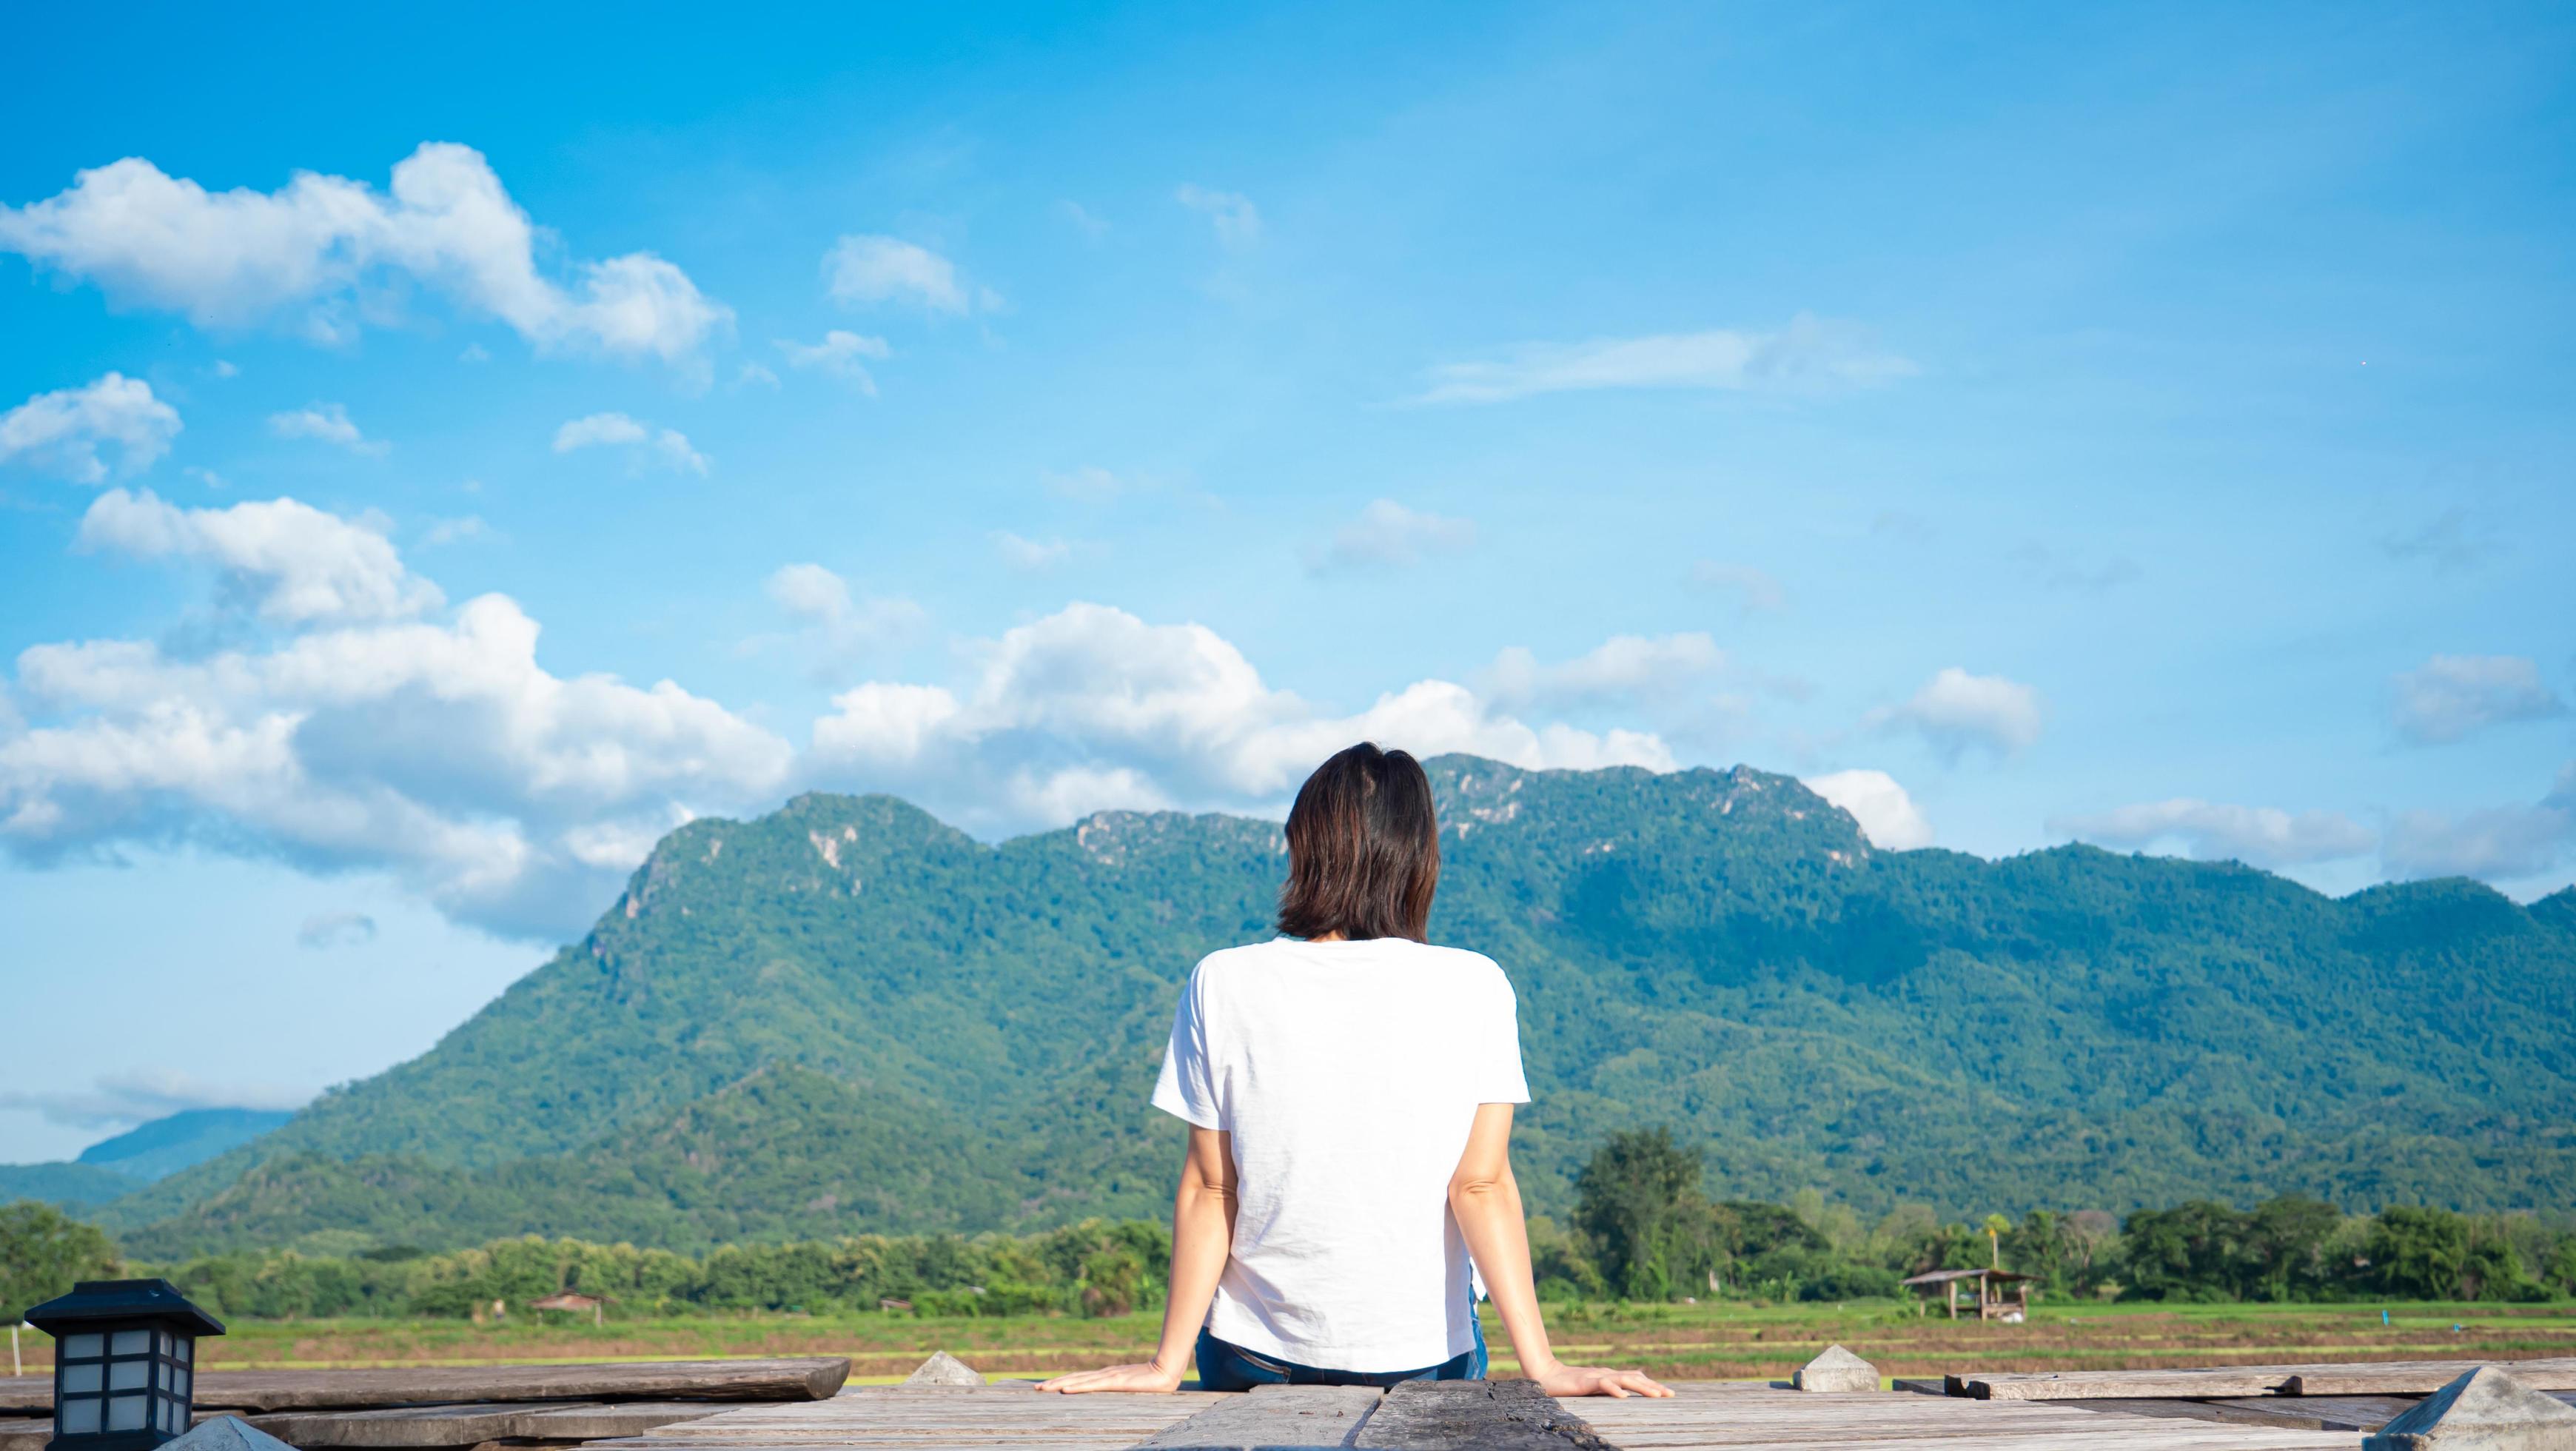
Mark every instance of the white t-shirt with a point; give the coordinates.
(1348, 1074)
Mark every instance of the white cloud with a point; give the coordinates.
(328, 422)
(1236, 220)
(123, 1099)
(225, 369)
(2495, 844)
(371, 729)
(1887, 815)
(1388, 535)
(207, 477)
(335, 929)
(1092, 707)
(2263, 836)
(1030, 556)
(1619, 668)
(820, 601)
(62, 431)
(313, 250)
(1955, 710)
(1755, 590)
(1809, 354)
(668, 445)
(295, 564)
(838, 354)
(2452, 697)
(1084, 220)
(862, 269)
(441, 753)
(753, 374)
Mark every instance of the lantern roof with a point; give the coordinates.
(95, 1301)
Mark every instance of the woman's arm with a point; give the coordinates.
(1487, 1202)
(1202, 1236)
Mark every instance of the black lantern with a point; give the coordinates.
(125, 1353)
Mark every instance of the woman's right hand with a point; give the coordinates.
(1149, 1378)
(1585, 1380)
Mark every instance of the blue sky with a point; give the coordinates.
(2149, 425)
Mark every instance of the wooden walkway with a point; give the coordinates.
(1706, 1414)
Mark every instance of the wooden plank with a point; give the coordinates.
(409, 1426)
(2422, 1377)
(598, 1422)
(799, 1379)
(2277, 1411)
(2338, 1413)
(26, 1433)
(2188, 1383)
(1487, 1415)
(1704, 1415)
(1272, 1416)
(921, 1418)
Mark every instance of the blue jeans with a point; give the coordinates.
(1226, 1366)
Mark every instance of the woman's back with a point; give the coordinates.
(1347, 1074)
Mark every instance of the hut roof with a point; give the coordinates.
(1942, 1276)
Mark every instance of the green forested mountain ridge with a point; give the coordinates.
(848, 1016)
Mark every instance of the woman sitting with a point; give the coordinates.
(1349, 1091)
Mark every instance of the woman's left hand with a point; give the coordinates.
(1585, 1380)
(1148, 1378)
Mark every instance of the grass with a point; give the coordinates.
(1724, 1341)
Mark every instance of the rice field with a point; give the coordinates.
(1701, 1342)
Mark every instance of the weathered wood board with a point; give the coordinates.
(465, 1425)
(864, 1418)
(1271, 1416)
(593, 1423)
(2422, 1377)
(2213, 1382)
(1474, 1415)
(1736, 1414)
(474, 1424)
(2319, 1413)
(801, 1379)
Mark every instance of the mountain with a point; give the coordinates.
(62, 1182)
(183, 1140)
(847, 1016)
(111, 1168)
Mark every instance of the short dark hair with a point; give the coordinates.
(1363, 849)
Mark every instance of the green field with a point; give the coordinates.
(1714, 1341)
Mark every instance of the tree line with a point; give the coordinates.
(1643, 1229)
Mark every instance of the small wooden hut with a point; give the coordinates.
(2001, 1294)
(572, 1300)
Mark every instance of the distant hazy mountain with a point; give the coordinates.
(111, 1168)
(848, 1016)
(183, 1140)
(62, 1182)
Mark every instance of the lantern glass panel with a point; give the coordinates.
(163, 1337)
(179, 1352)
(125, 1413)
(126, 1375)
(78, 1378)
(81, 1347)
(76, 1416)
(132, 1342)
(179, 1384)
